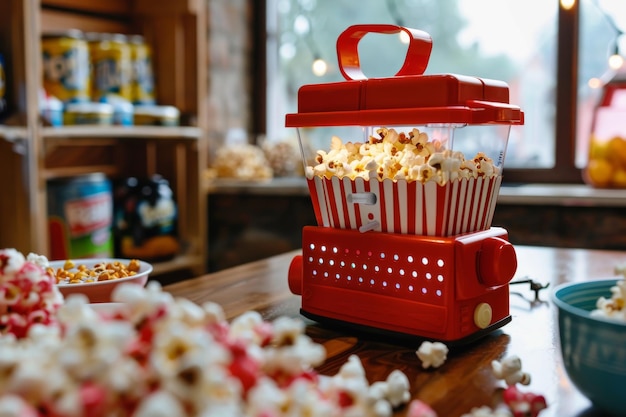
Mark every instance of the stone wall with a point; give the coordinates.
(230, 85)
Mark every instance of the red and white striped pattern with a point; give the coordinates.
(460, 206)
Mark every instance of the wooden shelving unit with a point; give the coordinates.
(31, 153)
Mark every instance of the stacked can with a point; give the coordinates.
(142, 78)
(66, 66)
(110, 65)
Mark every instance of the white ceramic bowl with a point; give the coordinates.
(100, 291)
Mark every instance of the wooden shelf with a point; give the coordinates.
(32, 154)
(140, 132)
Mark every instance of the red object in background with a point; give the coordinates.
(59, 247)
(452, 289)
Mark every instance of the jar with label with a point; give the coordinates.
(66, 65)
(111, 65)
(145, 219)
(606, 166)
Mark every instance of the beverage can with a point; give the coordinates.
(142, 78)
(66, 65)
(110, 65)
(80, 217)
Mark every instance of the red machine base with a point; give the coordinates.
(450, 289)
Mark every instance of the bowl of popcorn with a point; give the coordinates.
(97, 278)
(592, 334)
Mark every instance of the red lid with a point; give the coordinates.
(408, 98)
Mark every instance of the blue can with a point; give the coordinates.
(80, 217)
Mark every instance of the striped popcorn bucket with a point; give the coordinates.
(460, 206)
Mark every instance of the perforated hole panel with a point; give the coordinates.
(409, 267)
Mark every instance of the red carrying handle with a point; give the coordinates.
(415, 62)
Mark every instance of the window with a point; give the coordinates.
(529, 44)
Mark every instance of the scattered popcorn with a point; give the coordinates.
(419, 408)
(432, 354)
(399, 156)
(28, 295)
(524, 404)
(510, 370)
(485, 411)
(156, 355)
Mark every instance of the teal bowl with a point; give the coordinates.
(593, 348)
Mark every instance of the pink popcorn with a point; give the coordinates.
(160, 356)
(419, 408)
(28, 295)
(524, 404)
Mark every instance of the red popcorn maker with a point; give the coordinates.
(404, 174)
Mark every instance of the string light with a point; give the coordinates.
(393, 11)
(567, 4)
(303, 27)
(616, 60)
(319, 67)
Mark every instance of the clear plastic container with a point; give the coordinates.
(424, 152)
(606, 166)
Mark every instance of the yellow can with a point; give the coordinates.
(66, 65)
(142, 78)
(111, 66)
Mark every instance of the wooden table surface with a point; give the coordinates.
(466, 379)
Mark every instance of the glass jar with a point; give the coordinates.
(606, 166)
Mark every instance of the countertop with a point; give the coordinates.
(465, 380)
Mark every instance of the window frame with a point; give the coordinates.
(564, 170)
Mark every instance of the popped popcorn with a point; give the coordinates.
(485, 411)
(419, 408)
(524, 404)
(510, 370)
(241, 161)
(615, 306)
(28, 295)
(399, 156)
(432, 354)
(156, 355)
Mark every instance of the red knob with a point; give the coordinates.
(497, 262)
(295, 275)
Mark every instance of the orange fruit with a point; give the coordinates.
(616, 151)
(599, 172)
(619, 178)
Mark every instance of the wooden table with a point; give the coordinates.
(466, 379)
